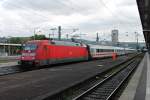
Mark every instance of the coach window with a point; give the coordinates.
(97, 50)
(100, 50)
(105, 50)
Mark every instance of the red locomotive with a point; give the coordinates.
(45, 52)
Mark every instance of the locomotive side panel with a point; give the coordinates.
(60, 54)
(53, 54)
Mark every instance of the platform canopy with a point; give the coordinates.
(144, 10)
(9, 44)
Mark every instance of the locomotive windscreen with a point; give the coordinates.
(30, 46)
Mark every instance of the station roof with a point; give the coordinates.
(144, 11)
(8, 44)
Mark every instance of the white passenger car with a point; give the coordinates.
(98, 51)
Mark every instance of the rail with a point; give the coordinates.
(76, 91)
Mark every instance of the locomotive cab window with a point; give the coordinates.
(30, 47)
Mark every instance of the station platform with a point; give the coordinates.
(38, 84)
(9, 57)
(138, 87)
(148, 78)
(14, 63)
(6, 61)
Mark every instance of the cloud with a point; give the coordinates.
(59, 7)
(20, 17)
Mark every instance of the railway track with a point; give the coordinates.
(99, 87)
(19, 69)
(105, 89)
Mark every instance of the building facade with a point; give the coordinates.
(114, 36)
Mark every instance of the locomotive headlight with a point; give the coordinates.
(32, 54)
(24, 54)
(28, 54)
(33, 58)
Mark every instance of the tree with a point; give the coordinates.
(18, 40)
(38, 37)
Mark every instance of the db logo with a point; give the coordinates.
(70, 53)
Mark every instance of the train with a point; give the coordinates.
(48, 52)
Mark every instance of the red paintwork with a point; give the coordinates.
(46, 51)
(60, 52)
(30, 58)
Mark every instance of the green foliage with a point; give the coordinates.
(21, 40)
(18, 40)
(38, 37)
(15, 40)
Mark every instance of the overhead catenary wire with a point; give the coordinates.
(121, 18)
(117, 15)
(43, 16)
(29, 10)
(26, 10)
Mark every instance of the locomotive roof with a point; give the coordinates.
(56, 42)
(109, 47)
(66, 43)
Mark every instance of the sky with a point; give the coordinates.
(23, 17)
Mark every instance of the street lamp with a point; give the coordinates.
(73, 30)
(137, 41)
(53, 30)
(126, 41)
(9, 37)
(35, 31)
